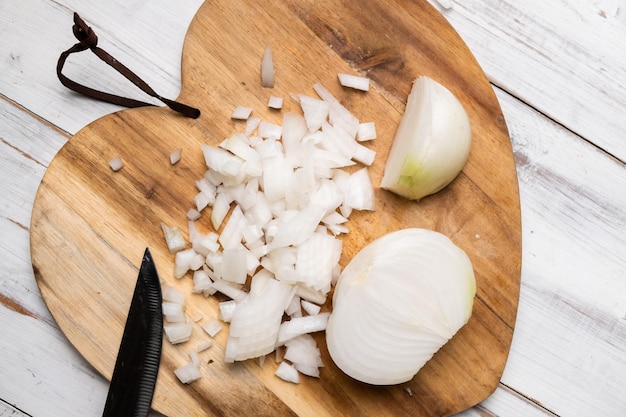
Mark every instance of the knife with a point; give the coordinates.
(139, 356)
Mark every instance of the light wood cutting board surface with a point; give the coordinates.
(90, 225)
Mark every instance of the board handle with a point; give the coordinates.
(87, 39)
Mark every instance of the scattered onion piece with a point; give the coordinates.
(175, 156)
(241, 113)
(267, 68)
(354, 81)
(212, 327)
(177, 332)
(188, 373)
(280, 198)
(202, 346)
(116, 163)
(367, 131)
(275, 103)
(174, 238)
(288, 373)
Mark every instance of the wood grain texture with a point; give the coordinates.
(90, 226)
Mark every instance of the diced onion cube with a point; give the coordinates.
(195, 359)
(177, 332)
(193, 214)
(173, 238)
(202, 346)
(275, 102)
(116, 163)
(367, 131)
(188, 373)
(175, 156)
(212, 327)
(241, 113)
(173, 295)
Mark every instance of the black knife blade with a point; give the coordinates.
(139, 356)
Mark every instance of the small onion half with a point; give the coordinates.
(432, 142)
(396, 303)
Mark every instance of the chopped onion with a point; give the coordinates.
(267, 69)
(175, 156)
(173, 238)
(302, 325)
(339, 116)
(310, 308)
(188, 373)
(354, 81)
(432, 142)
(202, 346)
(315, 112)
(194, 357)
(396, 303)
(241, 113)
(288, 373)
(269, 130)
(227, 310)
(212, 327)
(116, 163)
(202, 283)
(193, 214)
(173, 295)
(359, 191)
(173, 312)
(367, 131)
(303, 353)
(177, 332)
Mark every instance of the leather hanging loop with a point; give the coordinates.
(87, 39)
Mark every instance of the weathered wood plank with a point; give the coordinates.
(7, 410)
(42, 374)
(146, 37)
(572, 310)
(564, 58)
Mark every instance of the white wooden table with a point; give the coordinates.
(559, 71)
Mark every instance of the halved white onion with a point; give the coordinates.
(396, 303)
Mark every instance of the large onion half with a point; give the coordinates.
(396, 303)
(432, 142)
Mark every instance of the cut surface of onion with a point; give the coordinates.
(431, 145)
(396, 303)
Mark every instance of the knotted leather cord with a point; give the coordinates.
(87, 39)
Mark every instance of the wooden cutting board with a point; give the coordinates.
(90, 225)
